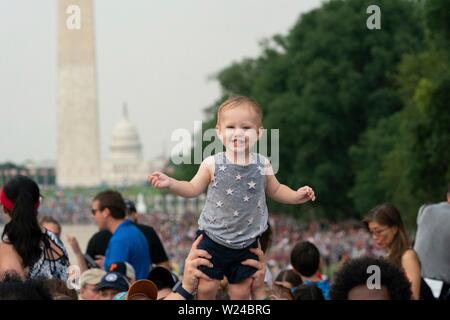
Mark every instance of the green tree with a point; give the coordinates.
(403, 158)
(322, 85)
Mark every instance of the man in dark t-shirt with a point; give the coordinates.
(99, 241)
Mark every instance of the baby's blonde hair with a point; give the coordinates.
(240, 101)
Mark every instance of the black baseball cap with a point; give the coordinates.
(162, 277)
(114, 280)
(130, 206)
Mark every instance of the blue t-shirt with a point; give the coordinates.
(323, 285)
(129, 244)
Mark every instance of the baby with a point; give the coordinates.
(235, 212)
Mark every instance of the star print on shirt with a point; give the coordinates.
(238, 177)
(259, 204)
(215, 184)
(236, 213)
(219, 204)
(230, 191)
(228, 241)
(222, 168)
(250, 221)
(251, 185)
(246, 198)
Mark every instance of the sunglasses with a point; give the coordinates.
(94, 211)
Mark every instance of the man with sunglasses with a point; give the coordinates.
(127, 242)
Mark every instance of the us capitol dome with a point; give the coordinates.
(125, 165)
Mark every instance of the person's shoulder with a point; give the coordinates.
(264, 164)
(210, 160)
(101, 234)
(325, 282)
(137, 230)
(145, 227)
(410, 256)
(429, 208)
(54, 238)
(261, 158)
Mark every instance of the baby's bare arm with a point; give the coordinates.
(283, 194)
(195, 187)
(280, 192)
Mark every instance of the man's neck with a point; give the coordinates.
(314, 278)
(114, 224)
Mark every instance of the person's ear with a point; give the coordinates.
(106, 213)
(219, 133)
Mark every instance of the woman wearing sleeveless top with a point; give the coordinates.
(385, 224)
(25, 248)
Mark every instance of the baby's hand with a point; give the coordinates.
(159, 180)
(305, 194)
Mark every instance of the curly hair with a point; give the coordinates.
(354, 274)
(13, 287)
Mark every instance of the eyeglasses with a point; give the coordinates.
(378, 232)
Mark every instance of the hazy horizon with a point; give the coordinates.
(156, 56)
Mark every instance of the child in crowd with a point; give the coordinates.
(305, 259)
(235, 213)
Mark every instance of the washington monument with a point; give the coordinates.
(78, 151)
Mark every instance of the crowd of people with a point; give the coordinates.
(305, 261)
(337, 242)
(233, 249)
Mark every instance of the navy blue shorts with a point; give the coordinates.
(227, 261)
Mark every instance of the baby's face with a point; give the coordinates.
(239, 128)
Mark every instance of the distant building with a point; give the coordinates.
(125, 165)
(43, 172)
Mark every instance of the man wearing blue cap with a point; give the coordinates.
(111, 284)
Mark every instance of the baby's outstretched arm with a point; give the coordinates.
(186, 189)
(283, 194)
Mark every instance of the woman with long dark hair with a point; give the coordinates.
(388, 232)
(26, 248)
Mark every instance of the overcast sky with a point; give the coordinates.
(157, 55)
